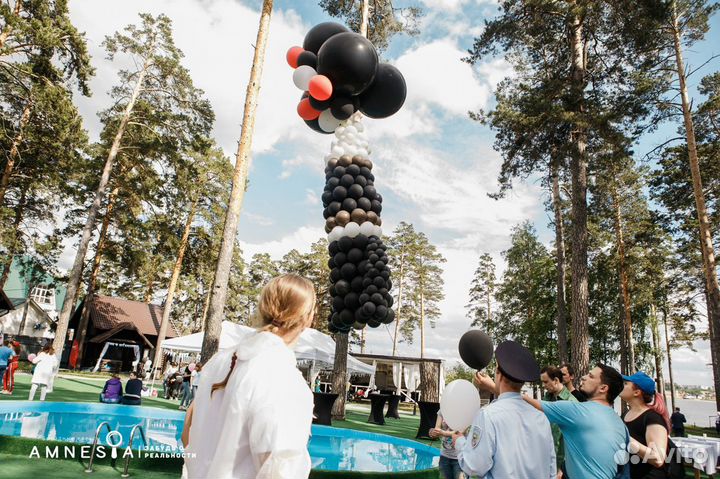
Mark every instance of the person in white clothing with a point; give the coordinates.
(252, 414)
(46, 367)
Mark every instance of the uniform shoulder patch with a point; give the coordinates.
(475, 436)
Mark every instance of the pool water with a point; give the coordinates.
(330, 448)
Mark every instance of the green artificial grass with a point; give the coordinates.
(78, 389)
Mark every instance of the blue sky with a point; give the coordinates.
(433, 165)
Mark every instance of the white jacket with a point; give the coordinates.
(46, 365)
(258, 426)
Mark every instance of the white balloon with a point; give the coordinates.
(327, 122)
(336, 233)
(339, 131)
(459, 404)
(338, 151)
(359, 126)
(302, 76)
(378, 231)
(367, 228)
(352, 229)
(351, 130)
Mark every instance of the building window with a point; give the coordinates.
(43, 295)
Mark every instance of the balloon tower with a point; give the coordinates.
(342, 80)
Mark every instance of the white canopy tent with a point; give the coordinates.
(312, 346)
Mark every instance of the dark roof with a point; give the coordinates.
(404, 359)
(6, 304)
(108, 313)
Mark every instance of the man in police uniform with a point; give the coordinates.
(508, 438)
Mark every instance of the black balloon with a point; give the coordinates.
(351, 301)
(476, 349)
(350, 61)
(335, 275)
(347, 317)
(347, 180)
(363, 202)
(360, 241)
(339, 259)
(307, 58)
(332, 183)
(379, 281)
(353, 170)
(364, 298)
(355, 191)
(356, 284)
(326, 198)
(373, 323)
(342, 107)
(348, 271)
(333, 248)
(381, 312)
(345, 243)
(361, 180)
(339, 171)
(337, 303)
(334, 208)
(318, 34)
(342, 287)
(355, 255)
(386, 95)
(365, 171)
(319, 105)
(340, 193)
(376, 206)
(370, 192)
(349, 204)
(369, 308)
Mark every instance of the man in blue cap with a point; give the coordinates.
(508, 438)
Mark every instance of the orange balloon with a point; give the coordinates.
(306, 111)
(292, 56)
(320, 87)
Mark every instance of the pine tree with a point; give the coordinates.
(482, 290)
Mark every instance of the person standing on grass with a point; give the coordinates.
(195, 380)
(46, 367)
(5, 354)
(186, 388)
(252, 414)
(12, 365)
(449, 465)
(677, 419)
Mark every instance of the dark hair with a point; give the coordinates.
(677, 409)
(552, 372)
(570, 369)
(612, 379)
(134, 373)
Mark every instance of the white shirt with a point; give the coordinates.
(265, 411)
(508, 439)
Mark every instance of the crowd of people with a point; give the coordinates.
(181, 383)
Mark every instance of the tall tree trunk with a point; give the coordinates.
(19, 210)
(399, 303)
(579, 342)
(364, 14)
(173, 285)
(668, 351)
(206, 305)
(429, 378)
(362, 340)
(76, 272)
(422, 323)
(657, 350)
(90, 296)
(211, 339)
(624, 286)
(339, 376)
(14, 152)
(561, 322)
(706, 240)
(8, 28)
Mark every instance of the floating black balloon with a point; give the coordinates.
(476, 349)
(307, 58)
(350, 61)
(320, 105)
(314, 125)
(319, 34)
(342, 107)
(386, 95)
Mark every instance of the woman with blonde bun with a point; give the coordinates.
(252, 413)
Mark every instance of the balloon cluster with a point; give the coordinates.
(339, 73)
(359, 272)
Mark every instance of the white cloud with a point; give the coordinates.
(300, 239)
(311, 197)
(257, 219)
(435, 74)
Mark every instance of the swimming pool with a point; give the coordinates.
(331, 449)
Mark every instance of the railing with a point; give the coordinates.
(94, 445)
(137, 427)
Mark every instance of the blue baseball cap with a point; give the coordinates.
(643, 381)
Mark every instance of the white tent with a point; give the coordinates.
(312, 345)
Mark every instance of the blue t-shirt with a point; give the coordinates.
(593, 433)
(5, 354)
